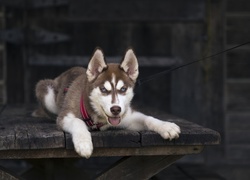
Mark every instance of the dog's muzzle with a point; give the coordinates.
(116, 119)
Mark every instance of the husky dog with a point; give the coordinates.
(97, 98)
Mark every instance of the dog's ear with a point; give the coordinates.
(130, 64)
(96, 65)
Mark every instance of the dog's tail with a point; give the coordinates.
(46, 96)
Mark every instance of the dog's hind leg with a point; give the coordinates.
(46, 95)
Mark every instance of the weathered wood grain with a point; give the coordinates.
(194, 136)
(29, 133)
(101, 152)
(146, 167)
(21, 133)
(111, 138)
(191, 133)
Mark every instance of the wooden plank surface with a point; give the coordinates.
(111, 138)
(191, 133)
(101, 152)
(19, 131)
(29, 133)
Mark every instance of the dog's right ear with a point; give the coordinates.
(96, 65)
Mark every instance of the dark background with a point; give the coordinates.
(42, 38)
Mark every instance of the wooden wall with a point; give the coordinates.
(46, 37)
(238, 82)
(198, 90)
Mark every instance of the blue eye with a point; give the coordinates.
(123, 89)
(103, 90)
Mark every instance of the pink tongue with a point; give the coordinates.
(114, 121)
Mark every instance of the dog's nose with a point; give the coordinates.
(115, 110)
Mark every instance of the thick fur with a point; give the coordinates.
(107, 90)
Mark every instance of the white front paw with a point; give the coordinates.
(169, 130)
(83, 146)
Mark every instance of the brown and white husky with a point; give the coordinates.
(97, 98)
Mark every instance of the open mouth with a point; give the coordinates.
(114, 120)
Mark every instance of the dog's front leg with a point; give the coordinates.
(140, 121)
(80, 135)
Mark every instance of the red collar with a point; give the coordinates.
(87, 119)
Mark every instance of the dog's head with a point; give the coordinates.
(112, 85)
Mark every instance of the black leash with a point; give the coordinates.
(151, 77)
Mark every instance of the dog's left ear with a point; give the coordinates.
(96, 65)
(130, 64)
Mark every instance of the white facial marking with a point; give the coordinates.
(119, 85)
(102, 104)
(49, 101)
(108, 86)
(113, 80)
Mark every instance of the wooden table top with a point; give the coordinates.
(20, 132)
